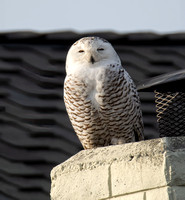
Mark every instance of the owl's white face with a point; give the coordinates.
(90, 52)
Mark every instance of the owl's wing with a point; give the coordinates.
(120, 105)
(138, 126)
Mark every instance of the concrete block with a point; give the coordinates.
(154, 194)
(81, 184)
(143, 170)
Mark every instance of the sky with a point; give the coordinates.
(123, 16)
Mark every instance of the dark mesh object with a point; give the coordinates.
(170, 108)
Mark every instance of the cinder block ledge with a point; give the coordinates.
(146, 170)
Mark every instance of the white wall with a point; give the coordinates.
(83, 15)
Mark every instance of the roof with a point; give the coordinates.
(36, 133)
(169, 82)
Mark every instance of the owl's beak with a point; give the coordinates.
(92, 60)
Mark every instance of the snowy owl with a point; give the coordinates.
(100, 97)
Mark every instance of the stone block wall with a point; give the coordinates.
(146, 170)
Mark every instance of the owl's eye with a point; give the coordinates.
(100, 49)
(81, 51)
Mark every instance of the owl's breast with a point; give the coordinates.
(93, 85)
(96, 85)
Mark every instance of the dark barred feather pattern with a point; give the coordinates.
(110, 116)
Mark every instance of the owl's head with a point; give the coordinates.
(91, 52)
